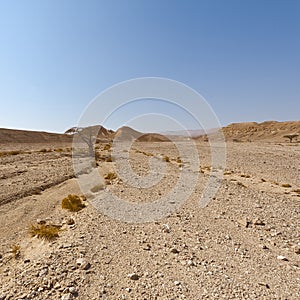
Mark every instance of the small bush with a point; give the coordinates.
(72, 203)
(166, 158)
(286, 185)
(59, 150)
(44, 231)
(245, 176)
(107, 147)
(15, 250)
(110, 176)
(178, 160)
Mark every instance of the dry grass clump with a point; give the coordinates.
(286, 185)
(45, 150)
(16, 250)
(178, 160)
(7, 153)
(43, 231)
(107, 147)
(245, 176)
(59, 150)
(111, 176)
(297, 191)
(72, 203)
(166, 158)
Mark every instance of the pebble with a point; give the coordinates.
(68, 296)
(134, 276)
(83, 263)
(281, 257)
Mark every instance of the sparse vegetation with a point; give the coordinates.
(44, 231)
(16, 250)
(7, 153)
(286, 185)
(107, 147)
(45, 150)
(72, 203)
(166, 158)
(178, 160)
(111, 176)
(245, 176)
(291, 137)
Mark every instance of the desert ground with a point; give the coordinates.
(244, 245)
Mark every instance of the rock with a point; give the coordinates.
(70, 221)
(166, 228)
(128, 290)
(174, 250)
(73, 290)
(190, 263)
(134, 276)
(2, 296)
(147, 247)
(297, 249)
(41, 221)
(244, 222)
(83, 263)
(258, 222)
(281, 257)
(177, 282)
(57, 285)
(68, 296)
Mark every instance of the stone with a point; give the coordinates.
(83, 263)
(177, 282)
(73, 290)
(134, 276)
(297, 249)
(174, 250)
(67, 296)
(281, 257)
(258, 222)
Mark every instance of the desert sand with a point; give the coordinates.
(244, 245)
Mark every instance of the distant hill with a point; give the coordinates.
(9, 136)
(252, 131)
(127, 133)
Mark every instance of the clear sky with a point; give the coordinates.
(243, 56)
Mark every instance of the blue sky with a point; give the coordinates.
(57, 55)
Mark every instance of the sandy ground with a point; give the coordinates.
(244, 245)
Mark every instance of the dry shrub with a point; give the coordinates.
(178, 160)
(297, 191)
(107, 147)
(7, 153)
(286, 185)
(72, 203)
(44, 231)
(166, 158)
(59, 150)
(15, 250)
(111, 176)
(245, 176)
